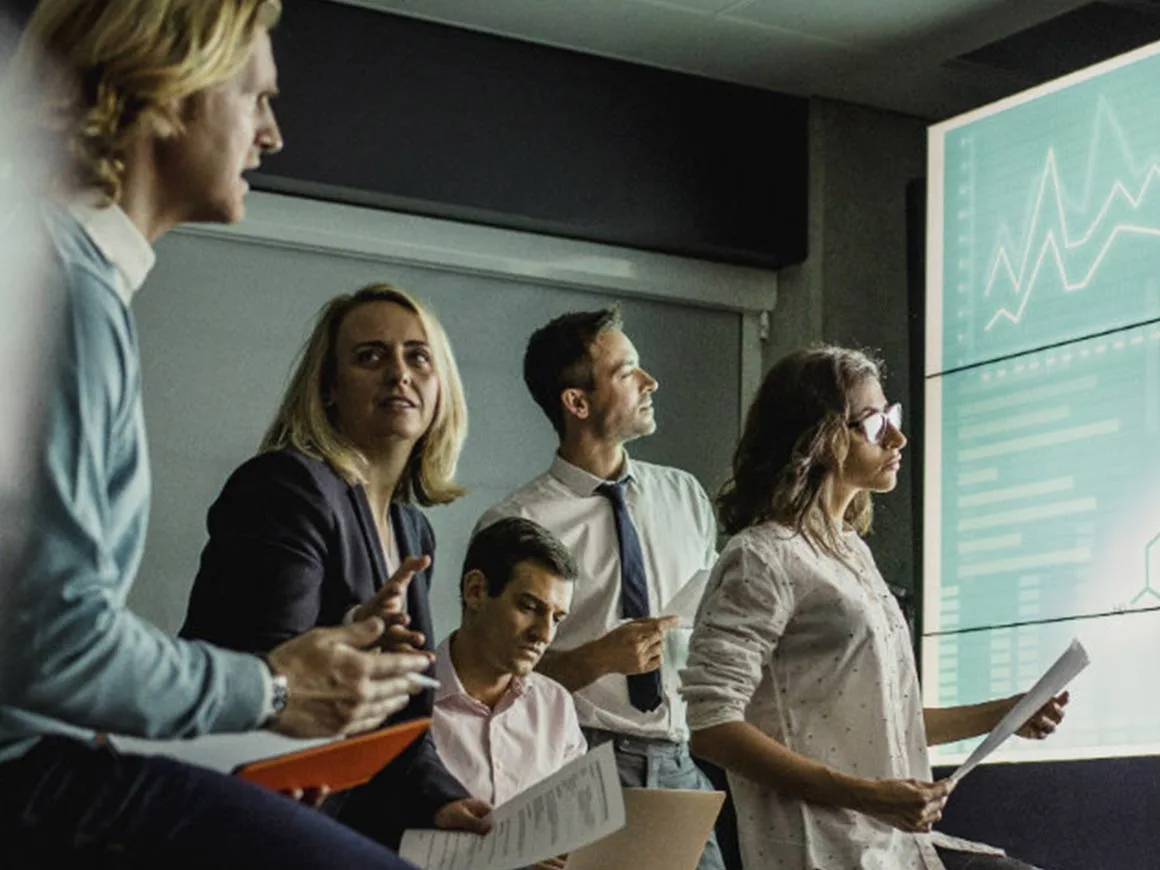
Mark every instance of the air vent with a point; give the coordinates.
(1071, 41)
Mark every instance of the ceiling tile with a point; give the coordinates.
(836, 19)
(892, 54)
(707, 7)
(636, 31)
(888, 24)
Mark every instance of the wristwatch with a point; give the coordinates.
(280, 691)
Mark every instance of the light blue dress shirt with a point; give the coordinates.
(76, 660)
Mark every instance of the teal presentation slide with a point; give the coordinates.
(1042, 441)
(1051, 218)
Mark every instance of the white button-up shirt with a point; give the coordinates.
(678, 534)
(817, 654)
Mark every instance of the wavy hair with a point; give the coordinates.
(93, 75)
(795, 439)
(306, 423)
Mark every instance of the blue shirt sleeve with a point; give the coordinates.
(79, 655)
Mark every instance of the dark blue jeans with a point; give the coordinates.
(94, 807)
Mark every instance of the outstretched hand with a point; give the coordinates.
(1046, 719)
(389, 603)
(339, 683)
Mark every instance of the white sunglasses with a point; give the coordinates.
(873, 426)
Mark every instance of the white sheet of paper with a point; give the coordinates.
(1073, 660)
(687, 599)
(578, 805)
(220, 752)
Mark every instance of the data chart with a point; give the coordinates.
(1049, 219)
(1042, 404)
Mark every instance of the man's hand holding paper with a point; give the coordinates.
(687, 599)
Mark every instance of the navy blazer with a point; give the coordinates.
(293, 546)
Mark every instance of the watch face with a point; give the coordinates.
(281, 693)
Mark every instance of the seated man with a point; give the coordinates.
(500, 726)
(155, 108)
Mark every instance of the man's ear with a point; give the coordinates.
(575, 402)
(171, 117)
(191, 107)
(474, 589)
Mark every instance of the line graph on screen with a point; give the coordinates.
(1054, 240)
(1042, 402)
(1048, 210)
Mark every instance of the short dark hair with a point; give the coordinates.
(497, 549)
(558, 357)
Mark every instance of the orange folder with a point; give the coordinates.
(338, 765)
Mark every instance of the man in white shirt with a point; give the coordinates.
(644, 538)
(499, 726)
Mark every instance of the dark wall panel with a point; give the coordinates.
(1068, 815)
(384, 110)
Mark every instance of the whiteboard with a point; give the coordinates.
(223, 316)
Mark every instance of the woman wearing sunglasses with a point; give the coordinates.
(801, 679)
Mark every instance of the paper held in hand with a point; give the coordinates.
(578, 805)
(1065, 669)
(687, 599)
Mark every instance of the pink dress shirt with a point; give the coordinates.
(496, 754)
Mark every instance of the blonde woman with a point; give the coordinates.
(801, 680)
(322, 527)
(156, 107)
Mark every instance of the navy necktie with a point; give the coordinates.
(644, 690)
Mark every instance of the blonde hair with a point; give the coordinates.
(303, 421)
(93, 76)
(796, 438)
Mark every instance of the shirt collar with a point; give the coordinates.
(119, 240)
(450, 685)
(584, 483)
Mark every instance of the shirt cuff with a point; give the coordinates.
(708, 711)
(267, 693)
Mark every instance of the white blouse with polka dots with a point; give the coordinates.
(817, 654)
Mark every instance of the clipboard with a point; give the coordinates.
(338, 765)
(664, 829)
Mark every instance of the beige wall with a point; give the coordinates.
(852, 289)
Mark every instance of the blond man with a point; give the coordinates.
(157, 108)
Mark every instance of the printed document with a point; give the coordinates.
(580, 804)
(1065, 669)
